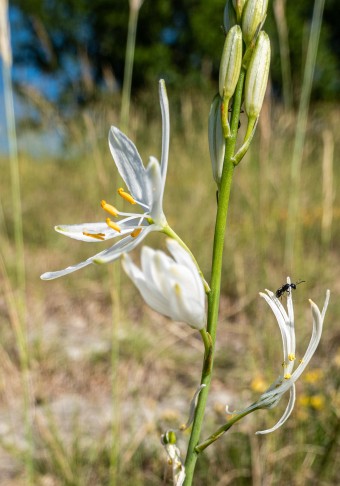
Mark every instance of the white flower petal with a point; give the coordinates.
(315, 338)
(281, 317)
(82, 231)
(72, 268)
(169, 287)
(123, 246)
(129, 165)
(184, 258)
(158, 269)
(66, 271)
(163, 98)
(154, 299)
(130, 268)
(286, 414)
(156, 189)
(190, 310)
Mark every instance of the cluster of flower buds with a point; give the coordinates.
(247, 48)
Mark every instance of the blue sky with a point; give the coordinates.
(28, 75)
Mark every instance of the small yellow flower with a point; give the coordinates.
(317, 402)
(304, 400)
(258, 384)
(313, 376)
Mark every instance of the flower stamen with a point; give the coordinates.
(109, 208)
(97, 236)
(126, 196)
(287, 376)
(113, 225)
(291, 357)
(136, 232)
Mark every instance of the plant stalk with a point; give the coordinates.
(214, 294)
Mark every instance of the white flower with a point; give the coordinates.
(146, 188)
(286, 381)
(174, 457)
(172, 286)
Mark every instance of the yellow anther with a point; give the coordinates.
(178, 289)
(109, 208)
(291, 357)
(113, 225)
(284, 365)
(126, 196)
(136, 232)
(96, 236)
(287, 376)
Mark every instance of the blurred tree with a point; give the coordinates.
(180, 40)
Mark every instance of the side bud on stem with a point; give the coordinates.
(230, 68)
(238, 6)
(257, 76)
(255, 88)
(216, 138)
(230, 62)
(253, 17)
(229, 16)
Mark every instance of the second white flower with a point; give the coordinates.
(171, 286)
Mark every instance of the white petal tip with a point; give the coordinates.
(50, 275)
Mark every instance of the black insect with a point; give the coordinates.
(286, 288)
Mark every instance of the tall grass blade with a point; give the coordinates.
(279, 7)
(292, 230)
(327, 187)
(135, 6)
(16, 299)
(6, 56)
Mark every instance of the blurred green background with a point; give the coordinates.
(90, 377)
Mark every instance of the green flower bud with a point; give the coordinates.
(238, 6)
(230, 62)
(216, 138)
(169, 437)
(254, 14)
(257, 76)
(229, 16)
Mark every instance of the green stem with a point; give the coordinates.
(206, 338)
(252, 123)
(214, 294)
(222, 430)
